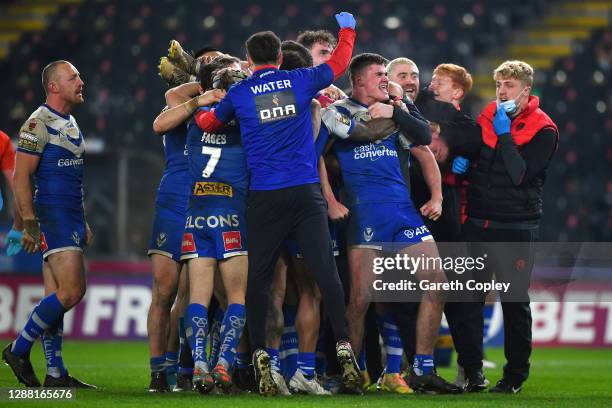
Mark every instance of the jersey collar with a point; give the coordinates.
(264, 68)
(61, 115)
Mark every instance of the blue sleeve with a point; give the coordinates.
(314, 79)
(225, 110)
(321, 140)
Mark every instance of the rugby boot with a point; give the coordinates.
(302, 385)
(21, 366)
(183, 59)
(184, 382)
(475, 382)
(203, 382)
(431, 383)
(504, 386)
(351, 377)
(68, 381)
(173, 75)
(158, 382)
(394, 383)
(266, 385)
(222, 379)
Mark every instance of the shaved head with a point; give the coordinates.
(49, 73)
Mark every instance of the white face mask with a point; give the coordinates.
(511, 106)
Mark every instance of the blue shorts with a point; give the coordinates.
(168, 226)
(293, 248)
(214, 233)
(371, 224)
(61, 229)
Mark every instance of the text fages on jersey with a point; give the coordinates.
(275, 106)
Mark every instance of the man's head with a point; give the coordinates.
(513, 82)
(208, 53)
(295, 55)
(207, 72)
(450, 83)
(62, 82)
(406, 73)
(368, 78)
(264, 48)
(320, 43)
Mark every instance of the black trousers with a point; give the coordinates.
(272, 216)
(511, 263)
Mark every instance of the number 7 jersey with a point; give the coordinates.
(217, 164)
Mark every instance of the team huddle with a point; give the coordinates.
(270, 171)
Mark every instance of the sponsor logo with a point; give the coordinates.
(27, 141)
(276, 106)
(213, 221)
(32, 125)
(162, 237)
(232, 240)
(368, 234)
(204, 188)
(69, 162)
(342, 118)
(75, 238)
(43, 243)
(412, 232)
(188, 244)
(373, 152)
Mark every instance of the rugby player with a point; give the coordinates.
(51, 148)
(383, 212)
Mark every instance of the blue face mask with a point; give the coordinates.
(511, 106)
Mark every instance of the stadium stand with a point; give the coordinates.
(117, 44)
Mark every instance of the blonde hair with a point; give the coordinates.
(391, 65)
(457, 74)
(515, 70)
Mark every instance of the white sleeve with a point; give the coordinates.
(338, 121)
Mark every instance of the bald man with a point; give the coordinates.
(51, 148)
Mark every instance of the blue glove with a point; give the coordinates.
(501, 122)
(13, 242)
(346, 20)
(460, 165)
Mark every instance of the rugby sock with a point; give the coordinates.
(289, 342)
(320, 357)
(197, 315)
(392, 342)
(157, 364)
(274, 360)
(185, 357)
(52, 346)
(242, 360)
(306, 364)
(215, 336)
(46, 314)
(171, 361)
(231, 330)
(423, 364)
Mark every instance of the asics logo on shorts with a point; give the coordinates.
(412, 232)
(162, 237)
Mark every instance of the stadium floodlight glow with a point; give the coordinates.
(392, 22)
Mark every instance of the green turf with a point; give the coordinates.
(562, 377)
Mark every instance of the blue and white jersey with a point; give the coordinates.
(218, 167)
(370, 170)
(176, 178)
(58, 141)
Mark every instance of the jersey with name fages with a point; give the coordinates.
(218, 167)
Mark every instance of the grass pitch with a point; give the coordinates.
(561, 377)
